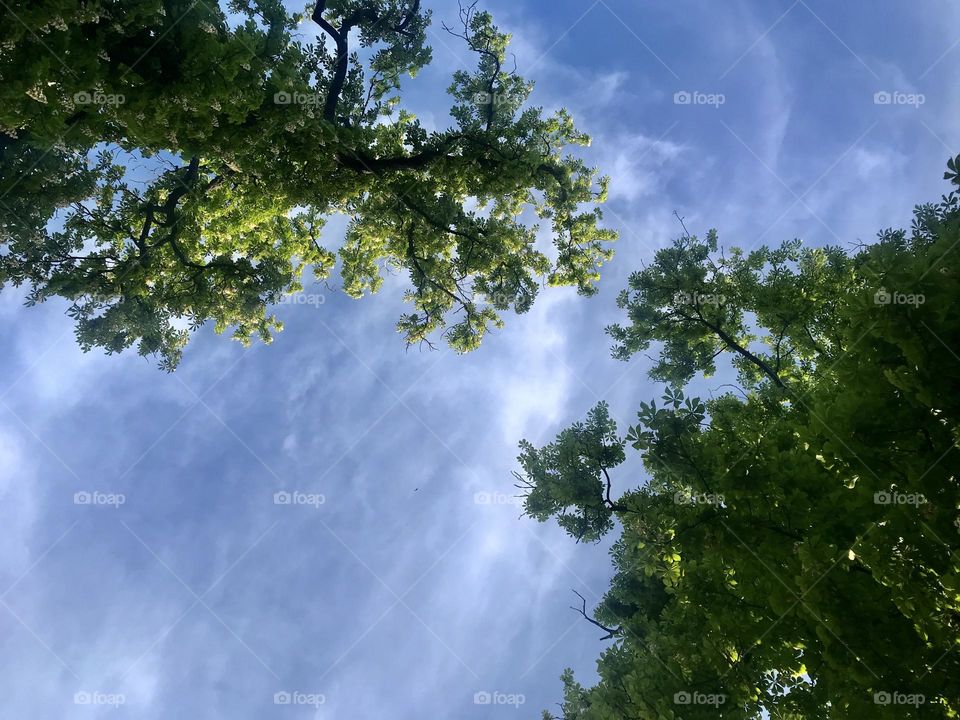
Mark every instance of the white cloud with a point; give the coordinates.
(638, 165)
(18, 504)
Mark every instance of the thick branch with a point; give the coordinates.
(340, 38)
(363, 163)
(340, 72)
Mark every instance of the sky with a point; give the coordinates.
(149, 564)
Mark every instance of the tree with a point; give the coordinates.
(249, 139)
(795, 552)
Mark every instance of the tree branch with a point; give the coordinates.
(340, 37)
(738, 348)
(610, 632)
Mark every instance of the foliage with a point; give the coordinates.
(794, 553)
(250, 138)
(567, 474)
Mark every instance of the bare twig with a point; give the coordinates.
(611, 632)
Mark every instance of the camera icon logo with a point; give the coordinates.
(682, 97)
(82, 498)
(282, 98)
(282, 498)
(282, 698)
(482, 698)
(682, 698)
(882, 297)
(882, 97)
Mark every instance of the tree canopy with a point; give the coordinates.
(794, 551)
(249, 138)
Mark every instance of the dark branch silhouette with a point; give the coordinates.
(610, 632)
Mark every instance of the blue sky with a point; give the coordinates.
(402, 595)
